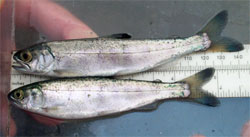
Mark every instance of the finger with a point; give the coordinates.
(12, 129)
(55, 22)
(1, 4)
(22, 13)
(8, 126)
(246, 130)
(198, 135)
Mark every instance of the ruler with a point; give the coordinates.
(231, 78)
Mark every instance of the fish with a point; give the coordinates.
(94, 97)
(119, 54)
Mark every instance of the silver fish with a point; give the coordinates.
(82, 98)
(118, 54)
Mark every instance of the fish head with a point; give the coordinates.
(28, 97)
(37, 59)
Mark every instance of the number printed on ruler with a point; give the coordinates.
(218, 60)
(230, 80)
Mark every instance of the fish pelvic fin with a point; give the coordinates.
(218, 43)
(197, 94)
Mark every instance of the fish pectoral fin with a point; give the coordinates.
(119, 36)
(47, 109)
(149, 107)
(66, 72)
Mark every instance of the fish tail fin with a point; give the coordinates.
(213, 30)
(195, 83)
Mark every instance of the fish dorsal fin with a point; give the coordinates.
(119, 36)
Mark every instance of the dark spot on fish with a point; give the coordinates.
(213, 130)
(89, 95)
(151, 22)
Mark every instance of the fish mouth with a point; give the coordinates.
(11, 99)
(20, 66)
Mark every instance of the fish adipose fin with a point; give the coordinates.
(197, 94)
(214, 28)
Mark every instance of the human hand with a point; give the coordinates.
(49, 19)
(245, 132)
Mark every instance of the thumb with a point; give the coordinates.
(246, 130)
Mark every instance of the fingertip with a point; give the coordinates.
(78, 32)
(12, 129)
(1, 4)
(7, 124)
(22, 13)
(198, 135)
(246, 130)
(56, 22)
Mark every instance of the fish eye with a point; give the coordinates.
(19, 94)
(26, 56)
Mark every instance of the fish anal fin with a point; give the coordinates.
(149, 107)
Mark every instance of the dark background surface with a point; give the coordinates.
(152, 19)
